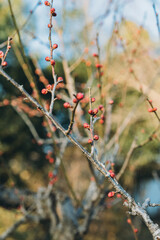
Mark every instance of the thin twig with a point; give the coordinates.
(23, 25)
(76, 63)
(72, 118)
(53, 94)
(69, 184)
(31, 79)
(125, 164)
(10, 230)
(154, 111)
(28, 123)
(157, 18)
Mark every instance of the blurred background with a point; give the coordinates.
(128, 35)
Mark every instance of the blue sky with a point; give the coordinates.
(133, 10)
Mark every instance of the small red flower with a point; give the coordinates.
(50, 25)
(51, 160)
(112, 174)
(44, 91)
(95, 111)
(101, 121)
(66, 105)
(90, 111)
(111, 102)
(98, 65)
(5, 102)
(47, 59)
(102, 117)
(95, 55)
(52, 10)
(131, 70)
(80, 96)
(101, 107)
(60, 79)
(86, 125)
(111, 194)
(152, 109)
(119, 195)
(47, 3)
(52, 62)
(55, 46)
(49, 86)
(1, 54)
(90, 141)
(88, 63)
(50, 175)
(129, 221)
(96, 137)
(75, 100)
(4, 64)
(53, 181)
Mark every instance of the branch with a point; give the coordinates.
(23, 25)
(135, 208)
(53, 93)
(25, 59)
(157, 18)
(125, 164)
(147, 203)
(10, 230)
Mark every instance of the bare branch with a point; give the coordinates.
(10, 230)
(135, 208)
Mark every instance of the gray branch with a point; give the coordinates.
(132, 205)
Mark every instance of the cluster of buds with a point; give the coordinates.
(96, 110)
(152, 109)
(86, 125)
(52, 177)
(47, 89)
(4, 63)
(98, 65)
(49, 157)
(3, 56)
(77, 98)
(52, 11)
(102, 117)
(95, 137)
(48, 59)
(112, 174)
(93, 112)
